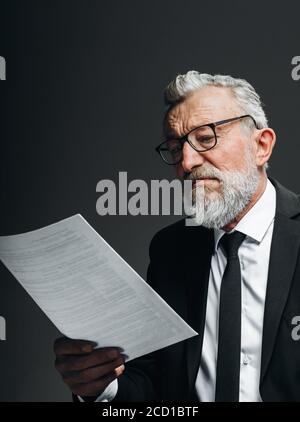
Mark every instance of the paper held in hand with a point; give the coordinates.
(88, 291)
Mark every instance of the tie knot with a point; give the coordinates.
(231, 243)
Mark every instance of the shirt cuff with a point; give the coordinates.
(108, 394)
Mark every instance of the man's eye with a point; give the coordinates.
(175, 149)
(206, 139)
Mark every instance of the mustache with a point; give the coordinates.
(204, 172)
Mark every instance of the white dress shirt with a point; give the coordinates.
(254, 255)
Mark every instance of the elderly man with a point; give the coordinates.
(234, 277)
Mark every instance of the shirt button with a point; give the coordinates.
(246, 360)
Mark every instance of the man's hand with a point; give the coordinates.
(85, 370)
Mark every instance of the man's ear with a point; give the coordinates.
(265, 142)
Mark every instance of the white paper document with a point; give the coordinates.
(88, 291)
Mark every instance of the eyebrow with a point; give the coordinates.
(169, 136)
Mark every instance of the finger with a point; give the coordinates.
(79, 363)
(94, 388)
(119, 371)
(92, 374)
(66, 346)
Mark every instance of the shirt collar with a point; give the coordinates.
(257, 220)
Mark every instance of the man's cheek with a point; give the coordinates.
(180, 172)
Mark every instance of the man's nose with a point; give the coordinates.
(190, 158)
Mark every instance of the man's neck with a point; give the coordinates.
(258, 193)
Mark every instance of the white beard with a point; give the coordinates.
(236, 189)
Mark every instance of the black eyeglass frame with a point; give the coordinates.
(184, 138)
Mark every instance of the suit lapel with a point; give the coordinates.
(197, 266)
(283, 257)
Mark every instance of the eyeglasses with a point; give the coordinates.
(202, 138)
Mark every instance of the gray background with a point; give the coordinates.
(83, 101)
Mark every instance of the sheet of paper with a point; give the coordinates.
(88, 291)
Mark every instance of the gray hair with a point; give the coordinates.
(245, 95)
(247, 99)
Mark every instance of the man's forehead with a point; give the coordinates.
(206, 105)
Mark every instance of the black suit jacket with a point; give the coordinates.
(179, 271)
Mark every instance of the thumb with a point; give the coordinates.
(119, 370)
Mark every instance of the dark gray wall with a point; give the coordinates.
(83, 101)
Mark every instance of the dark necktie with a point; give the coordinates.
(229, 342)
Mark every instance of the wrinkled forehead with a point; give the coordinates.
(206, 105)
